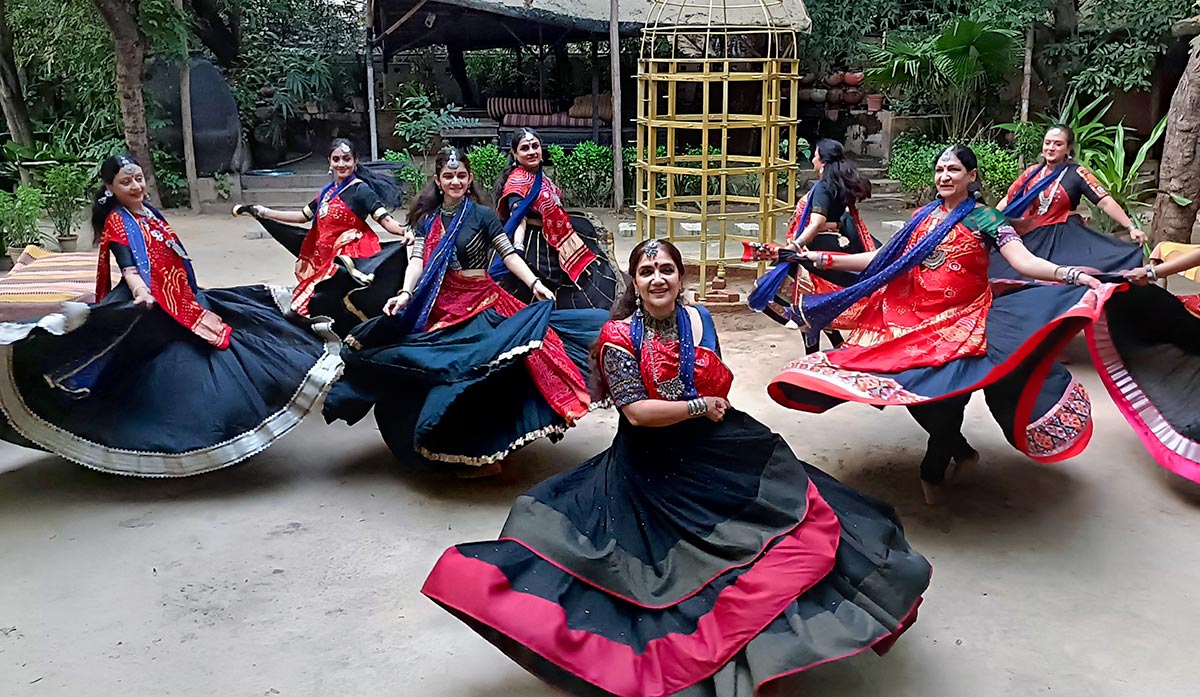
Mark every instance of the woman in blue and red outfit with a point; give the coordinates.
(697, 554)
(562, 250)
(457, 369)
(928, 332)
(339, 214)
(159, 378)
(1047, 223)
(826, 220)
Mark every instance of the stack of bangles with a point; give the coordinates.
(1070, 275)
(1151, 273)
(697, 407)
(824, 261)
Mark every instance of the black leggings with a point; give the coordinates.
(943, 421)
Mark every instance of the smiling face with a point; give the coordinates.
(454, 182)
(817, 164)
(657, 280)
(1055, 146)
(529, 152)
(129, 186)
(951, 177)
(342, 162)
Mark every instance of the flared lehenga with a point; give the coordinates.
(127, 390)
(701, 558)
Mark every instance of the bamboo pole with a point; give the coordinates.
(614, 59)
(185, 115)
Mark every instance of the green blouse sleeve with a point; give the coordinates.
(992, 224)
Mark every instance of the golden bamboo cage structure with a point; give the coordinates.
(716, 126)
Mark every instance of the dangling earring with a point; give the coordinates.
(330, 172)
(639, 306)
(105, 197)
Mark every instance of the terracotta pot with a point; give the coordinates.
(835, 79)
(808, 79)
(14, 253)
(853, 79)
(818, 95)
(804, 95)
(68, 243)
(852, 96)
(874, 102)
(834, 96)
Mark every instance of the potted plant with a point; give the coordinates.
(19, 213)
(64, 188)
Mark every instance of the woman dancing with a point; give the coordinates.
(1050, 192)
(928, 332)
(826, 220)
(159, 378)
(458, 370)
(697, 555)
(340, 227)
(563, 250)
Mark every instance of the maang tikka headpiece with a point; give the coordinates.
(452, 160)
(651, 249)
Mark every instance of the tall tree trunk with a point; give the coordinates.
(1179, 172)
(130, 45)
(12, 97)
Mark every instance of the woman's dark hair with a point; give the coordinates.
(103, 202)
(1069, 133)
(626, 305)
(430, 198)
(841, 176)
(967, 157)
(384, 186)
(513, 144)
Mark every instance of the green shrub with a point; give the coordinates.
(64, 187)
(172, 182)
(410, 178)
(586, 175)
(487, 163)
(914, 154)
(19, 213)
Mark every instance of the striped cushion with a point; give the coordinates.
(499, 107)
(41, 281)
(547, 120)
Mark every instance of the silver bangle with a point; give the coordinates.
(1151, 273)
(697, 407)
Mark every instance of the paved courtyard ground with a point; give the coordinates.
(296, 574)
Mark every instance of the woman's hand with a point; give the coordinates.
(716, 408)
(1137, 235)
(540, 291)
(1089, 281)
(142, 296)
(1140, 276)
(396, 303)
(409, 237)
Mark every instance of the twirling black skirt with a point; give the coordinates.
(128, 390)
(463, 394)
(699, 559)
(358, 289)
(1071, 244)
(597, 287)
(1146, 347)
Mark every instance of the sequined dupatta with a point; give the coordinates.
(687, 351)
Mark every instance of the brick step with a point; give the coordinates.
(885, 202)
(313, 181)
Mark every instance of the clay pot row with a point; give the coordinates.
(836, 95)
(834, 79)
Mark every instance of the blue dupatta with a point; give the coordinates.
(498, 270)
(687, 348)
(1017, 207)
(137, 245)
(415, 316)
(818, 310)
(768, 285)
